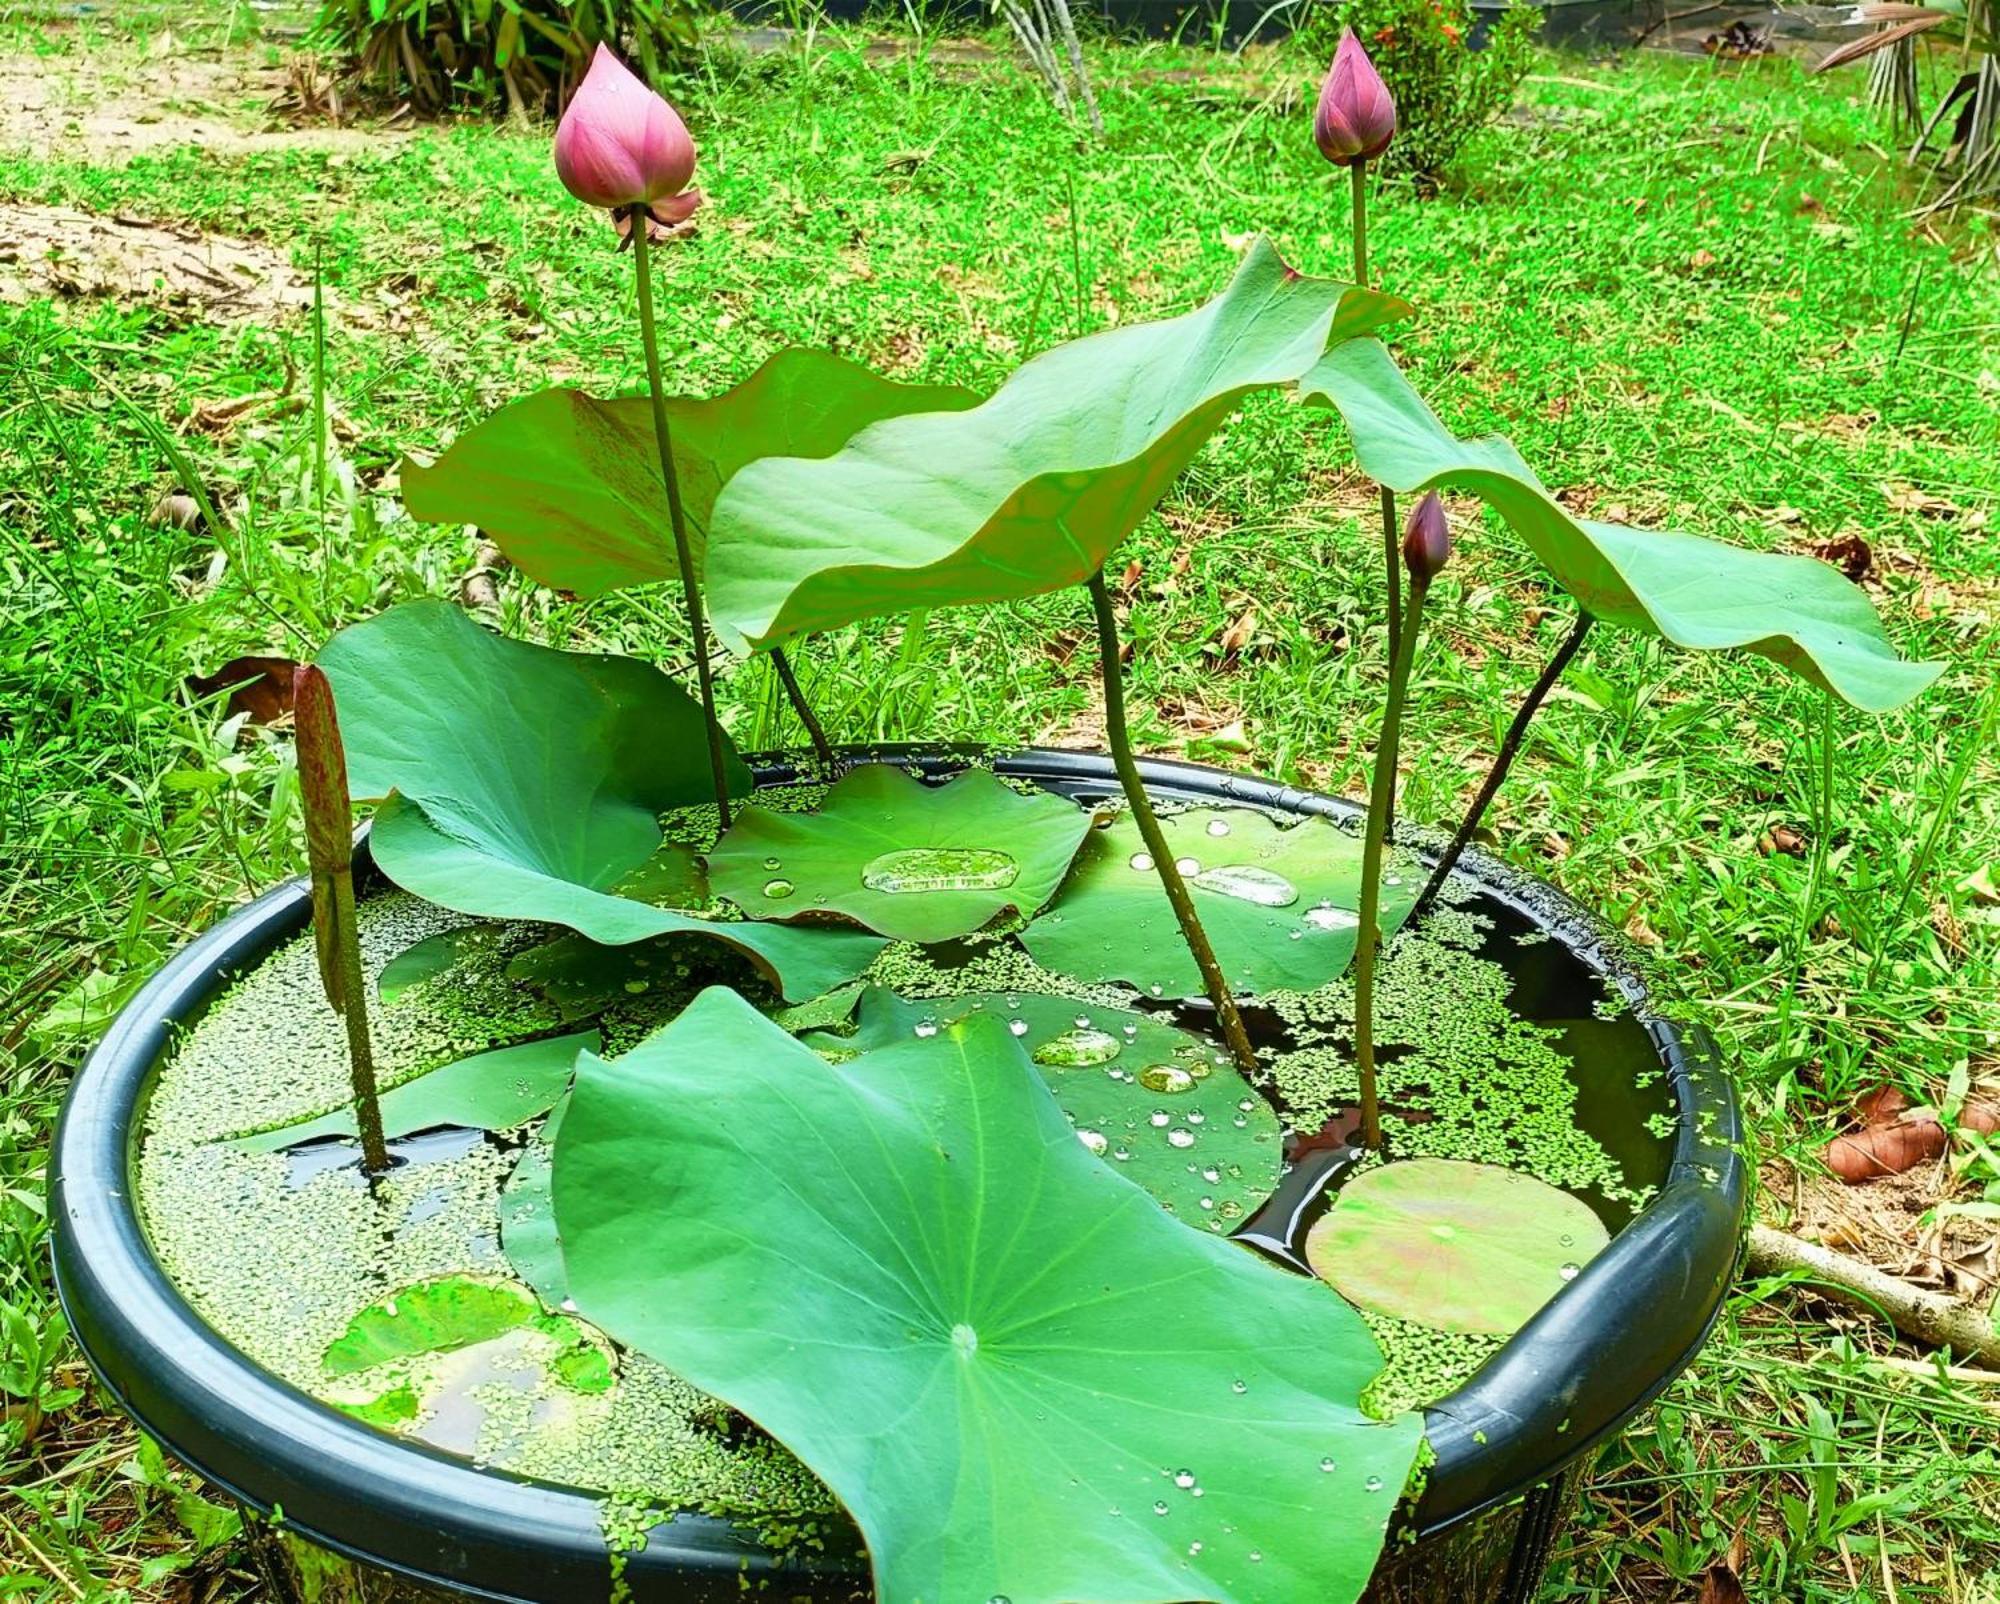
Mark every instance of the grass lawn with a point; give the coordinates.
(1691, 292)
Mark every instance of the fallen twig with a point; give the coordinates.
(1928, 1317)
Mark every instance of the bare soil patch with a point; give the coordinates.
(59, 252)
(104, 106)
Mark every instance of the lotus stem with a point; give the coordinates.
(815, 731)
(1381, 803)
(1391, 538)
(1502, 762)
(329, 820)
(354, 1010)
(690, 585)
(1213, 982)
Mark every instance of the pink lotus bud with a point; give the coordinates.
(1426, 539)
(620, 145)
(1356, 117)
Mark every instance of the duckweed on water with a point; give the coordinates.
(1486, 1085)
(1420, 1365)
(294, 1254)
(283, 1270)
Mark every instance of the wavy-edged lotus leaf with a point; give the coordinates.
(1277, 902)
(1168, 1109)
(493, 1091)
(1022, 1378)
(477, 877)
(569, 486)
(547, 812)
(1453, 1246)
(915, 862)
(1030, 490)
(569, 757)
(1797, 611)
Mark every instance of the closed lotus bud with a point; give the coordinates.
(1356, 117)
(620, 146)
(1426, 539)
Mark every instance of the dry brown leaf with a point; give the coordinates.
(1722, 1585)
(1239, 634)
(259, 686)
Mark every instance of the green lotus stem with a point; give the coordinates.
(690, 586)
(1381, 802)
(815, 732)
(1503, 761)
(1390, 540)
(1213, 982)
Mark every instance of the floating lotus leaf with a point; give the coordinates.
(495, 1091)
(431, 957)
(1022, 1377)
(545, 810)
(455, 1313)
(438, 1316)
(1277, 902)
(1165, 1108)
(1030, 490)
(1797, 611)
(916, 862)
(570, 488)
(1458, 1247)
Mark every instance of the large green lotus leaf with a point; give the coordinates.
(1699, 593)
(569, 486)
(1023, 1379)
(916, 862)
(1166, 1108)
(1276, 901)
(1458, 1247)
(526, 783)
(476, 876)
(493, 1091)
(567, 759)
(1028, 491)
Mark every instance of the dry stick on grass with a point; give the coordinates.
(1928, 1317)
(329, 816)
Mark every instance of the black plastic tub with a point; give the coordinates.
(1601, 1350)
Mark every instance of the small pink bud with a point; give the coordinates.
(1356, 117)
(619, 145)
(1426, 539)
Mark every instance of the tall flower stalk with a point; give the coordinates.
(329, 818)
(622, 148)
(1426, 546)
(683, 552)
(1354, 122)
(1162, 853)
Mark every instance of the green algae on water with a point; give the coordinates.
(283, 1266)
